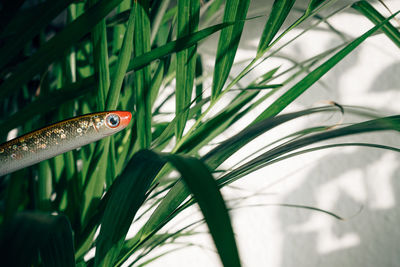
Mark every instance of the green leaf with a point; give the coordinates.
(178, 193)
(98, 174)
(169, 130)
(175, 46)
(299, 88)
(122, 63)
(100, 60)
(119, 30)
(188, 20)
(262, 87)
(213, 8)
(313, 5)
(157, 81)
(55, 47)
(205, 190)
(199, 86)
(227, 148)
(83, 86)
(280, 11)
(213, 127)
(142, 77)
(44, 190)
(333, 146)
(373, 15)
(235, 11)
(381, 124)
(27, 27)
(28, 233)
(124, 199)
(47, 103)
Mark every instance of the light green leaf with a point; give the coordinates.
(280, 11)
(299, 88)
(188, 20)
(235, 11)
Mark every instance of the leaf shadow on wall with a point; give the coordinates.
(367, 237)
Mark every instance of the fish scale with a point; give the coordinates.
(59, 138)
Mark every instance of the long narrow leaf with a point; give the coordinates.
(122, 63)
(205, 132)
(188, 20)
(124, 199)
(205, 190)
(315, 75)
(56, 47)
(382, 124)
(142, 77)
(235, 11)
(178, 193)
(100, 60)
(84, 86)
(47, 103)
(278, 14)
(373, 15)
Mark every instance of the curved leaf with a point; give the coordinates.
(124, 198)
(299, 88)
(205, 190)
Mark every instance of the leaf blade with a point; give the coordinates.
(127, 194)
(55, 48)
(205, 190)
(299, 88)
(188, 20)
(280, 11)
(235, 11)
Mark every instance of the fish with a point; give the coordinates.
(60, 137)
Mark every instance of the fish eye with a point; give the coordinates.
(112, 120)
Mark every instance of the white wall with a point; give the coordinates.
(360, 184)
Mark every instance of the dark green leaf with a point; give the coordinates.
(280, 11)
(47, 103)
(27, 27)
(124, 199)
(373, 15)
(122, 63)
(381, 124)
(100, 60)
(142, 77)
(56, 47)
(28, 233)
(188, 20)
(205, 190)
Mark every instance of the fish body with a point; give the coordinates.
(59, 138)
